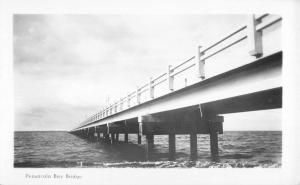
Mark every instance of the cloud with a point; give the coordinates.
(65, 66)
(51, 117)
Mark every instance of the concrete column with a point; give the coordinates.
(98, 136)
(214, 146)
(92, 135)
(126, 137)
(106, 138)
(215, 124)
(117, 137)
(214, 149)
(172, 146)
(95, 136)
(140, 130)
(193, 146)
(89, 135)
(113, 140)
(149, 146)
(139, 138)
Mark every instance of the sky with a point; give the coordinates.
(66, 67)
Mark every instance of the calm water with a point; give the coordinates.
(61, 149)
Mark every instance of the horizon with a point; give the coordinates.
(157, 134)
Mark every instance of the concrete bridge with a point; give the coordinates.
(196, 108)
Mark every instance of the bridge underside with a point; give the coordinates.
(194, 118)
(255, 86)
(196, 109)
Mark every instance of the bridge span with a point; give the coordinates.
(196, 108)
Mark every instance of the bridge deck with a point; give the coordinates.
(255, 86)
(196, 109)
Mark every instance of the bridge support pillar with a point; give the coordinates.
(139, 138)
(193, 146)
(140, 130)
(106, 138)
(172, 146)
(90, 136)
(117, 137)
(112, 140)
(126, 137)
(98, 136)
(149, 146)
(214, 146)
(94, 135)
(213, 133)
(215, 125)
(87, 134)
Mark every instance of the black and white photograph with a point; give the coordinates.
(99, 94)
(140, 91)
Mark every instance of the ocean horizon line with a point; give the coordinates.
(158, 134)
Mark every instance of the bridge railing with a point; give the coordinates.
(254, 35)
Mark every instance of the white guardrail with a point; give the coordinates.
(254, 28)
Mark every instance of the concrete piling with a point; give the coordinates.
(106, 138)
(113, 139)
(164, 125)
(214, 146)
(139, 138)
(193, 146)
(126, 137)
(117, 137)
(98, 136)
(172, 146)
(149, 146)
(214, 149)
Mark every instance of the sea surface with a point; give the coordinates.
(237, 149)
